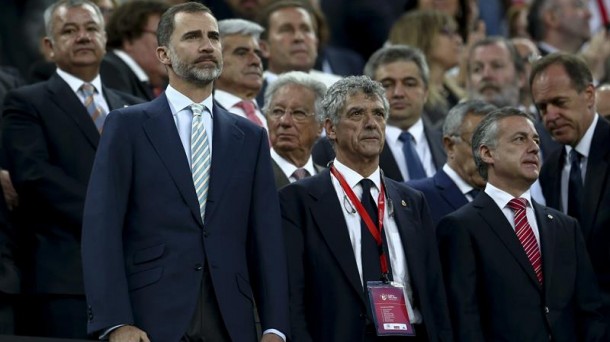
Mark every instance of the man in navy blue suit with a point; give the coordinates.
(332, 255)
(163, 259)
(458, 182)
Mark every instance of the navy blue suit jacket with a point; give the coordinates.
(144, 243)
(492, 289)
(441, 192)
(327, 302)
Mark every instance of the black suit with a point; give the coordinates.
(493, 292)
(326, 296)
(595, 221)
(116, 74)
(280, 178)
(323, 152)
(342, 61)
(50, 142)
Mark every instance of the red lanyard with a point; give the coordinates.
(375, 232)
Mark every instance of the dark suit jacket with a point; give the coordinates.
(116, 74)
(144, 244)
(323, 152)
(493, 292)
(595, 221)
(327, 302)
(342, 61)
(50, 142)
(441, 192)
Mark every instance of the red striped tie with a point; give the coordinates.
(526, 235)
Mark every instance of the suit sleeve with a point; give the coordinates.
(267, 247)
(460, 273)
(30, 163)
(102, 245)
(293, 233)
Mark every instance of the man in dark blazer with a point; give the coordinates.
(458, 182)
(50, 141)
(516, 270)
(161, 257)
(403, 72)
(293, 107)
(131, 65)
(574, 123)
(327, 246)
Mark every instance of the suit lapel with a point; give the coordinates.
(227, 143)
(70, 104)
(551, 180)
(327, 212)
(448, 190)
(435, 140)
(163, 135)
(387, 163)
(547, 242)
(497, 222)
(280, 178)
(597, 169)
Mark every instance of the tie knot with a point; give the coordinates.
(247, 106)
(575, 156)
(300, 173)
(197, 109)
(406, 136)
(517, 204)
(88, 89)
(366, 184)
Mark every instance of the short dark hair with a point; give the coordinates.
(574, 66)
(398, 53)
(273, 6)
(129, 20)
(166, 24)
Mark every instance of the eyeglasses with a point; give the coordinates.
(299, 115)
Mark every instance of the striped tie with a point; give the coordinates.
(96, 112)
(526, 235)
(200, 157)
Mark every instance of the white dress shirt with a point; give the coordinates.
(422, 148)
(229, 101)
(75, 83)
(501, 198)
(288, 168)
(132, 64)
(464, 187)
(397, 257)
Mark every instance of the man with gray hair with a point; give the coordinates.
(242, 74)
(458, 182)
(292, 103)
(515, 270)
(412, 150)
(344, 224)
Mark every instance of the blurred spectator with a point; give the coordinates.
(529, 53)
(107, 7)
(242, 73)
(434, 33)
(231, 9)
(602, 100)
(516, 18)
(130, 64)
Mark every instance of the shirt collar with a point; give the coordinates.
(75, 83)
(502, 197)
(229, 100)
(133, 65)
(417, 131)
(584, 145)
(353, 178)
(178, 101)
(459, 182)
(288, 168)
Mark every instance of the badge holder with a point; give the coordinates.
(389, 308)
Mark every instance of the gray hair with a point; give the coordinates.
(242, 27)
(486, 134)
(337, 95)
(398, 53)
(455, 117)
(49, 11)
(299, 78)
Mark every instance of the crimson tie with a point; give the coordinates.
(526, 235)
(250, 110)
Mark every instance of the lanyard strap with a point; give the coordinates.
(375, 232)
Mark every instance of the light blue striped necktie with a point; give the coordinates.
(97, 113)
(200, 157)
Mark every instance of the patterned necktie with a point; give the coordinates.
(526, 235)
(200, 157)
(95, 111)
(416, 169)
(250, 110)
(575, 185)
(300, 173)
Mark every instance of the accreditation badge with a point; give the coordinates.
(389, 307)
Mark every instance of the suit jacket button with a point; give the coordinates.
(198, 267)
(546, 310)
